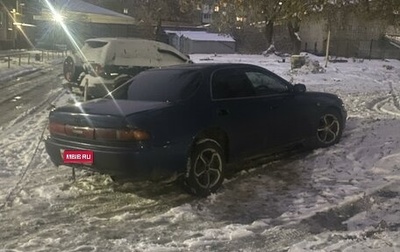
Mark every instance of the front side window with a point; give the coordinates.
(265, 84)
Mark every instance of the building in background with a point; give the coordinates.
(83, 20)
(31, 23)
(7, 36)
(15, 26)
(350, 36)
(190, 42)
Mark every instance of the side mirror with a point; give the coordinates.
(299, 88)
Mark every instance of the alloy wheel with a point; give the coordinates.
(328, 129)
(207, 168)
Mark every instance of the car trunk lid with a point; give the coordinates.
(100, 119)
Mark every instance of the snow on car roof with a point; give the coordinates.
(107, 39)
(147, 42)
(202, 35)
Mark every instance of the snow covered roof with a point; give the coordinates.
(84, 12)
(202, 35)
(81, 6)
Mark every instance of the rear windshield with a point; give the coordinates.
(170, 85)
(95, 44)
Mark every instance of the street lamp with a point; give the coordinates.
(57, 17)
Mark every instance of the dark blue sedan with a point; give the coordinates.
(192, 120)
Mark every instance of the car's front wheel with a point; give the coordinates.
(329, 129)
(205, 168)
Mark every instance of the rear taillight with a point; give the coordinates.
(132, 134)
(121, 134)
(106, 134)
(99, 133)
(57, 128)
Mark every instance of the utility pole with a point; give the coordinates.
(327, 48)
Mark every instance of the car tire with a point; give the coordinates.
(328, 131)
(71, 69)
(205, 168)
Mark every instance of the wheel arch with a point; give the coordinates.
(214, 134)
(336, 109)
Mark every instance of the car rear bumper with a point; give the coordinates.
(141, 163)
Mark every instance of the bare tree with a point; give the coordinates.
(270, 12)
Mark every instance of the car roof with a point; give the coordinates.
(108, 39)
(204, 66)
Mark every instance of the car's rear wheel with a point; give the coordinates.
(205, 168)
(328, 131)
(71, 69)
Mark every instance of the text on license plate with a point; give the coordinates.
(77, 156)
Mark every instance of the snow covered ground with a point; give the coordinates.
(16, 68)
(343, 198)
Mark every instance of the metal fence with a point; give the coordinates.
(26, 57)
(367, 49)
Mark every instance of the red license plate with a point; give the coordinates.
(77, 156)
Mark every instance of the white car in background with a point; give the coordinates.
(106, 63)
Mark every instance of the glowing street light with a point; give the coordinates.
(57, 17)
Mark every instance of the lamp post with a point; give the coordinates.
(14, 28)
(16, 22)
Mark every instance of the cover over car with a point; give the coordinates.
(193, 119)
(106, 63)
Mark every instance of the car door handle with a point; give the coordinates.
(222, 112)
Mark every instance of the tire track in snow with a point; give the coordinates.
(389, 104)
(395, 96)
(29, 148)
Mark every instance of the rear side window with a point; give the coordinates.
(169, 85)
(231, 83)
